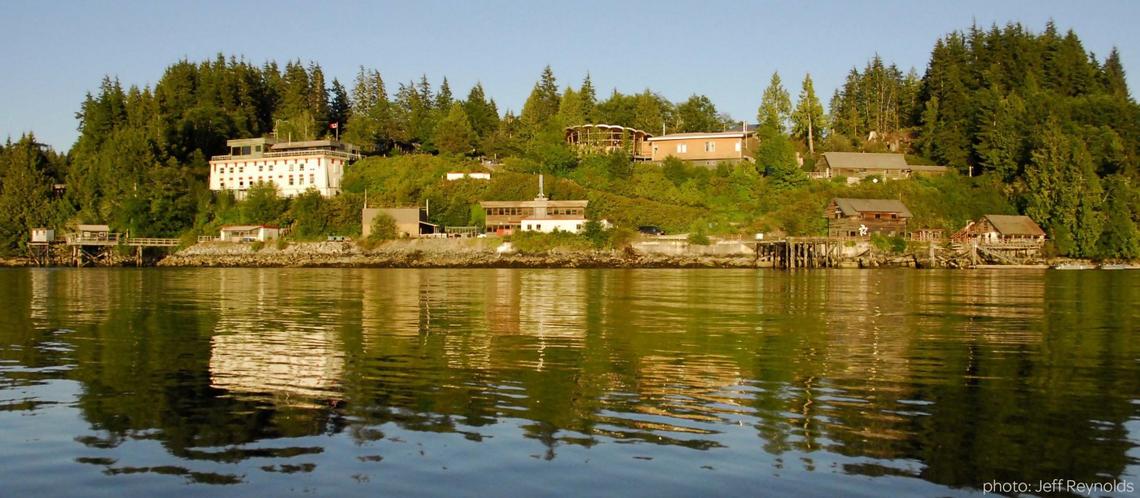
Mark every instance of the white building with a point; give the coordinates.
(565, 223)
(474, 176)
(293, 167)
(248, 233)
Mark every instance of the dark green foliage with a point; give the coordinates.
(263, 205)
(453, 133)
(1120, 239)
(776, 157)
(25, 191)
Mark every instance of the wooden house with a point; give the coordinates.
(858, 165)
(1004, 228)
(862, 217)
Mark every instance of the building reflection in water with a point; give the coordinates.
(263, 345)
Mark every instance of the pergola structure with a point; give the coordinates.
(604, 138)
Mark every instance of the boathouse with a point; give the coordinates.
(1004, 228)
(863, 217)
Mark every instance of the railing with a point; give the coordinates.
(103, 239)
(292, 153)
(207, 238)
(152, 242)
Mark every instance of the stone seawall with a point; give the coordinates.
(437, 253)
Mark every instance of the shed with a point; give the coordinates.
(856, 165)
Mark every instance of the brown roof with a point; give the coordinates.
(1014, 225)
(865, 160)
(851, 207)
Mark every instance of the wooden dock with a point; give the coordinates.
(801, 252)
(98, 249)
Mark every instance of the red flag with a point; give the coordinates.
(334, 126)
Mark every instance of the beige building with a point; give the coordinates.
(540, 215)
(410, 222)
(293, 167)
(706, 149)
(858, 165)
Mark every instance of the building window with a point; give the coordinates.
(682, 148)
(290, 179)
(710, 146)
(290, 168)
(312, 178)
(260, 168)
(738, 146)
(241, 169)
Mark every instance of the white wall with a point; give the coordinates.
(318, 171)
(541, 225)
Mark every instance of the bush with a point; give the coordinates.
(698, 234)
(257, 246)
(384, 228)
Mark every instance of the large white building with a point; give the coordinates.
(293, 167)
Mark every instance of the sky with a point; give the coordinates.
(54, 52)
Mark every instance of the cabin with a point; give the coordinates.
(249, 233)
(1004, 228)
(411, 222)
(93, 233)
(856, 166)
(863, 217)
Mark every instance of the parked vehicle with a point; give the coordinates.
(651, 230)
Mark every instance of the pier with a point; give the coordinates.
(90, 245)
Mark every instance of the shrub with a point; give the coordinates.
(384, 227)
(257, 246)
(698, 234)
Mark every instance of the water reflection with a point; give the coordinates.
(939, 378)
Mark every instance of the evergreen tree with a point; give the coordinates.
(25, 192)
(370, 121)
(542, 105)
(340, 107)
(698, 114)
(808, 119)
(570, 112)
(589, 98)
(775, 106)
(443, 99)
(482, 113)
(1120, 239)
(776, 158)
(453, 133)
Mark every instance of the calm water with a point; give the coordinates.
(553, 382)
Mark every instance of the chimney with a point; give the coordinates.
(541, 193)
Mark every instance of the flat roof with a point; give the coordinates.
(533, 203)
(700, 135)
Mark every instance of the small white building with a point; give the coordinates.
(43, 235)
(451, 177)
(248, 233)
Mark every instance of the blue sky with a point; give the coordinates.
(55, 52)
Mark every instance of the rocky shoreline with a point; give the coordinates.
(479, 253)
(434, 254)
